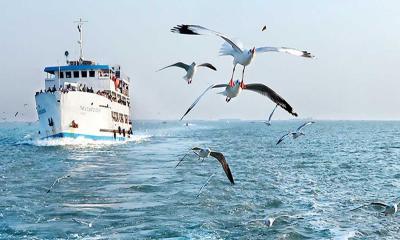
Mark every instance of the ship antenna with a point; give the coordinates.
(80, 29)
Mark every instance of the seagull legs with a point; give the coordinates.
(241, 83)
(233, 72)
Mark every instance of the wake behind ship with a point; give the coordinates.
(84, 99)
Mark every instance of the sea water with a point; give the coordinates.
(132, 190)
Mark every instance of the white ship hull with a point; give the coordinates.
(80, 114)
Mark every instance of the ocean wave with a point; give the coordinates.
(344, 234)
(79, 141)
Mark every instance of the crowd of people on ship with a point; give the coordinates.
(84, 88)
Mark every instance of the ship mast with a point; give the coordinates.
(80, 29)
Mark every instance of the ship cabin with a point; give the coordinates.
(88, 76)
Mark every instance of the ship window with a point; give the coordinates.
(61, 74)
(91, 73)
(84, 74)
(68, 74)
(76, 74)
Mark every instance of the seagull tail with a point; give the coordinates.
(226, 49)
(222, 93)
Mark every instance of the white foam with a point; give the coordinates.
(343, 234)
(79, 141)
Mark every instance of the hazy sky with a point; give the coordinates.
(354, 76)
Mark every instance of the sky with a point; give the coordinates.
(354, 76)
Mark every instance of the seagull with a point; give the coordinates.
(232, 91)
(270, 116)
(264, 28)
(190, 69)
(389, 209)
(269, 221)
(89, 224)
(205, 153)
(295, 134)
(235, 49)
(58, 180)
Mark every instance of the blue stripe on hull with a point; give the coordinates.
(92, 137)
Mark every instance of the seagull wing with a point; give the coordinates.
(285, 50)
(282, 138)
(199, 30)
(196, 149)
(220, 157)
(373, 203)
(209, 65)
(272, 113)
(198, 99)
(264, 28)
(303, 125)
(181, 160)
(205, 184)
(379, 204)
(178, 64)
(271, 94)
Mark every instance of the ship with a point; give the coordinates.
(84, 99)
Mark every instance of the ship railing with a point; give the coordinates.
(105, 93)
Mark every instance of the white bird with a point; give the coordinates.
(205, 153)
(389, 209)
(232, 91)
(270, 116)
(89, 224)
(269, 221)
(190, 69)
(295, 134)
(235, 49)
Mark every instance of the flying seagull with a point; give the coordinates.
(269, 221)
(205, 153)
(232, 91)
(235, 49)
(89, 224)
(190, 69)
(270, 116)
(264, 28)
(58, 180)
(295, 134)
(389, 209)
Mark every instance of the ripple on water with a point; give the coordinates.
(133, 190)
